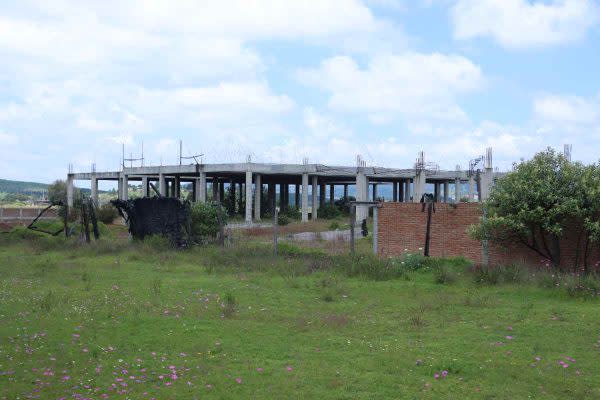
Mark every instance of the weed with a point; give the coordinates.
(229, 305)
(156, 286)
(442, 274)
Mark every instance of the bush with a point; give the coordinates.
(283, 220)
(329, 212)
(205, 220)
(443, 274)
(106, 213)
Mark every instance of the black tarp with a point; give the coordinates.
(165, 216)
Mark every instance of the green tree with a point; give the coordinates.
(57, 194)
(533, 204)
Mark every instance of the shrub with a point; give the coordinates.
(205, 220)
(329, 212)
(487, 275)
(106, 213)
(334, 226)
(443, 274)
(283, 220)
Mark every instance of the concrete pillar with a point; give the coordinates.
(446, 191)
(281, 197)
(233, 197)
(215, 190)
(420, 181)
(407, 191)
(200, 189)
(362, 194)
(394, 191)
(315, 198)
(345, 191)
(257, 196)
(222, 191)
(304, 197)
(177, 187)
(248, 197)
(145, 192)
(70, 190)
(94, 188)
(162, 185)
(471, 188)
(401, 191)
(125, 187)
(332, 194)
(487, 181)
(437, 192)
(374, 192)
(297, 196)
(240, 198)
(457, 187)
(271, 196)
(322, 188)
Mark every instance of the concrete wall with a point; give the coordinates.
(403, 226)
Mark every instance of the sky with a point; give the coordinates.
(281, 81)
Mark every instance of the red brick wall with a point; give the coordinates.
(402, 227)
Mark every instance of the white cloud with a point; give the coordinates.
(408, 85)
(567, 109)
(522, 23)
(7, 139)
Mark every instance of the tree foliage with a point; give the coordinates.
(533, 204)
(205, 220)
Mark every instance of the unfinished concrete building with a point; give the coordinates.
(408, 185)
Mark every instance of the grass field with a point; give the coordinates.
(136, 321)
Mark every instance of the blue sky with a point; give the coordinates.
(281, 81)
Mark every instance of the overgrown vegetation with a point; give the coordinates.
(79, 321)
(206, 219)
(535, 204)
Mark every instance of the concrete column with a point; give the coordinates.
(322, 189)
(374, 192)
(282, 204)
(394, 191)
(457, 187)
(332, 194)
(315, 198)
(471, 188)
(437, 192)
(407, 191)
(94, 188)
(70, 190)
(420, 181)
(215, 190)
(125, 195)
(297, 196)
(446, 191)
(362, 194)
(177, 183)
(248, 197)
(257, 196)
(162, 185)
(222, 191)
(145, 189)
(200, 189)
(305, 197)
(345, 191)
(271, 196)
(401, 191)
(241, 198)
(233, 198)
(487, 181)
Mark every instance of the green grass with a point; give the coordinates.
(306, 325)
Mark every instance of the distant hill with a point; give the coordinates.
(19, 187)
(35, 189)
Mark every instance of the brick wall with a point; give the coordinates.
(402, 227)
